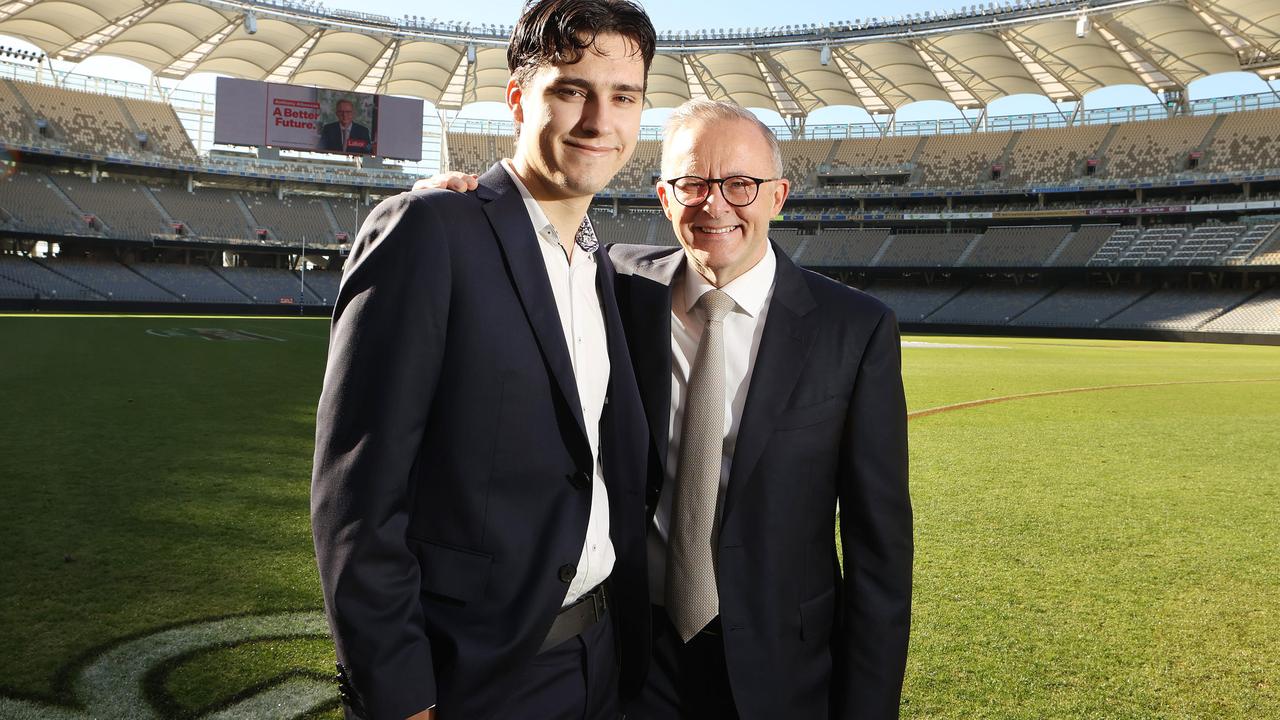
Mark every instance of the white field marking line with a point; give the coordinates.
(111, 687)
(1045, 393)
(949, 346)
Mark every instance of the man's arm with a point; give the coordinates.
(385, 352)
(875, 535)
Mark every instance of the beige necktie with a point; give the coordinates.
(691, 596)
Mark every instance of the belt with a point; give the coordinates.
(575, 619)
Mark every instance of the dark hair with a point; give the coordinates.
(559, 32)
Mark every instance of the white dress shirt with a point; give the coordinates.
(743, 326)
(573, 283)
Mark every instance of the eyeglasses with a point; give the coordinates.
(737, 190)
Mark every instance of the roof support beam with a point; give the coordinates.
(947, 77)
(1039, 60)
(181, 67)
(373, 79)
(10, 9)
(284, 71)
(83, 47)
(1230, 32)
(1124, 43)
(865, 81)
(783, 86)
(462, 79)
(702, 83)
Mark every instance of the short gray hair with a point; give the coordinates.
(699, 110)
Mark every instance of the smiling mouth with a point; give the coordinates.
(594, 149)
(717, 230)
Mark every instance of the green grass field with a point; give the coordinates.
(1108, 553)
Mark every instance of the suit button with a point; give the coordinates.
(580, 480)
(567, 573)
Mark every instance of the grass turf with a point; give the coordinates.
(1097, 554)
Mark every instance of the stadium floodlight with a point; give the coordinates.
(1082, 25)
(250, 22)
(824, 57)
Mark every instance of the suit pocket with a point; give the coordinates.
(817, 615)
(808, 415)
(451, 572)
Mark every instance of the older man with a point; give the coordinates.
(773, 396)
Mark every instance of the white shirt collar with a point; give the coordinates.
(750, 290)
(542, 226)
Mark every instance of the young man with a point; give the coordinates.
(477, 499)
(772, 394)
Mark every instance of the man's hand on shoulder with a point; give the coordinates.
(429, 714)
(456, 181)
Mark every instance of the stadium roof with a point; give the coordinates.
(968, 58)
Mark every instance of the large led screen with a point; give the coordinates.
(307, 118)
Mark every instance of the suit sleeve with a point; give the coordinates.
(875, 535)
(385, 352)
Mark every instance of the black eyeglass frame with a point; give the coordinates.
(718, 181)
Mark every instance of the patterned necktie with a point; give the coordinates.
(691, 595)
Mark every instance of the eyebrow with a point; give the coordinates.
(585, 85)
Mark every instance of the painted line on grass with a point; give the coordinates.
(1067, 391)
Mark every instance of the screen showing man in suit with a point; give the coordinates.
(477, 493)
(774, 397)
(344, 134)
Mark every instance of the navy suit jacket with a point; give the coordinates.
(452, 477)
(824, 422)
(359, 141)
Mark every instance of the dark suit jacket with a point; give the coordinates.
(359, 142)
(452, 476)
(824, 421)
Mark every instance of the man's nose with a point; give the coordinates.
(715, 204)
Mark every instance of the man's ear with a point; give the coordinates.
(781, 190)
(514, 95)
(664, 197)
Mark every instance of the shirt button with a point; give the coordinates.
(567, 573)
(580, 480)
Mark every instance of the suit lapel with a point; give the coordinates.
(649, 328)
(510, 221)
(788, 335)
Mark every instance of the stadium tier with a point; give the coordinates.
(1102, 226)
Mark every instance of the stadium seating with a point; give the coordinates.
(267, 285)
(1080, 306)
(912, 302)
(1017, 246)
(165, 134)
(126, 209)
(191, 283)
(1152, 246)
(207, 212)
(1268, 252)
(110, 280)
(880, 153)
(801, 158)
(33, 204)
(1205, 244)
(1245, 142)
(961, 160)
(638, 174)
(926, 249)
(292, 219)
(323, 284)
(1154, 147)
(843, 247)
(1259, 314)
(989, 305)
(1177, 309)
(1053, 155)
(27, 278)
(1082, 245)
